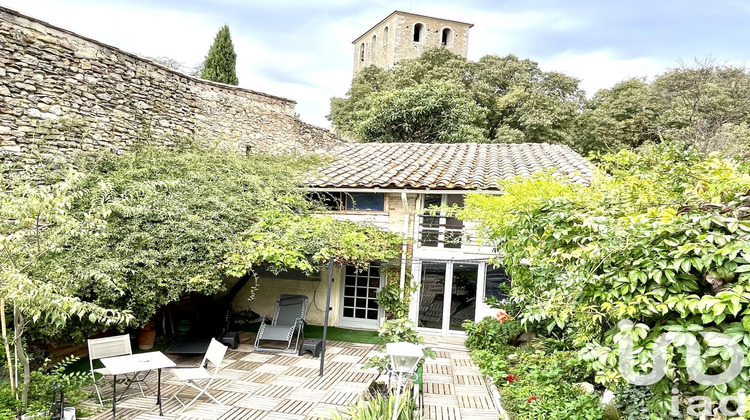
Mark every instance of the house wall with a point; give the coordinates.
(62, 93)
(401, 43)
(314, 288)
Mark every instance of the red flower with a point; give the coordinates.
(502, 316)
(532, 398)
(511, 378)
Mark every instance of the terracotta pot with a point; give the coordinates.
(146, 337)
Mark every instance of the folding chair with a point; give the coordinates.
(190, 376)
(100, 348)
(288, 319)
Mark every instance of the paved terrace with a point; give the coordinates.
(269, 386)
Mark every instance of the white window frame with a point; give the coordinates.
(481, 309)
(442, 229)
(356, 322)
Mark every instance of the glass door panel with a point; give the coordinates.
(463, 294)
(432, 295)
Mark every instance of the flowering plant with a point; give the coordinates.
(502, 316)
(532, 398)
(511, 378)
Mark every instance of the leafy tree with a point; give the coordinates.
(171, 217)
(660, 237)
(518, 101)
(623, 117)
(427, 113)
(220, 63)
(344, 111)
(137, 231)
(702, 99)
(36, 222)
(707, 105)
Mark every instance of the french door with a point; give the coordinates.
(359, 307)
(447, 295)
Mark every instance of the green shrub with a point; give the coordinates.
(9, 405)
(40, 390)
(494, 363)
(393, 299)
(632, 401)
(393, 331)
(489, 334)
(536, 383)
(528, 400)
(380, 407)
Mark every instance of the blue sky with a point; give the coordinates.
(302, 49)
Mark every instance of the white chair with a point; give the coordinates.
(191, 376)
(100, 348)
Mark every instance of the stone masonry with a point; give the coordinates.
(61, 93)
(393, 39)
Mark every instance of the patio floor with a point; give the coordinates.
(269, 386)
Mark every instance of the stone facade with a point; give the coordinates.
(61, 93)
(395, 38)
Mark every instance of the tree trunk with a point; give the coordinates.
(22, 357)
(6, 345)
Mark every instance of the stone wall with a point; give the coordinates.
(397, 42)
(61, 93)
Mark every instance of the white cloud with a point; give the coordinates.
(182, 36)
(602, 69)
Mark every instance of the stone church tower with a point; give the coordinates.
(404, 35)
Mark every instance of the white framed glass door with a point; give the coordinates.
(359, 290)
(447, 294)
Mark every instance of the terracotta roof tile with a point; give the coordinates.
(443, 166)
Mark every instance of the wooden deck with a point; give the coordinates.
(268, 386)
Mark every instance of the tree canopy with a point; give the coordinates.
(435, 112)
(513, 100)
(706, 105)
(221, 61)
(164, 223)
(443, 97)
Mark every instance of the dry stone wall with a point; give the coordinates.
(61, 93)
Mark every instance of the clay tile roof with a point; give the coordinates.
(464, 166)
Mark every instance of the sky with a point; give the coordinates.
(302, 50)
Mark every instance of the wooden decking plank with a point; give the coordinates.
(244, 365)
(299, 407)
(342, 398)
(239, 413)
(267, 386)
(438, 388)
(258, 402)
(475, 401)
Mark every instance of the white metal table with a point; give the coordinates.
(134, 363)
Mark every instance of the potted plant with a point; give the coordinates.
(147, 336)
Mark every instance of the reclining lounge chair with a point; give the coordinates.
(288, 320)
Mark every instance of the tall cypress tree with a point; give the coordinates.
(219, 65)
